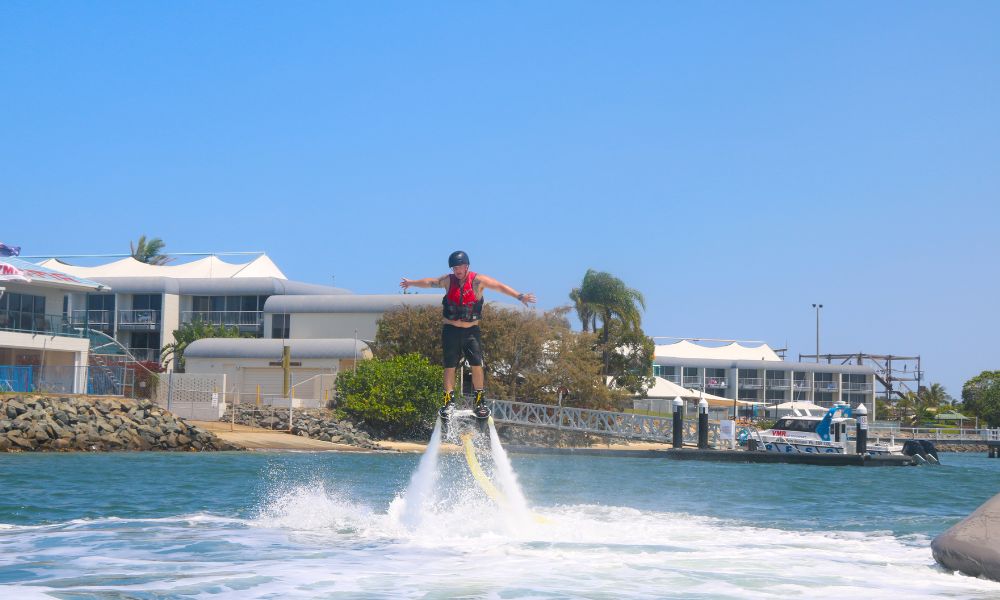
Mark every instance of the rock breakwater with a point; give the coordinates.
(315, 423)
(97, 424)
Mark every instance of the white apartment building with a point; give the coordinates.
(758, 374)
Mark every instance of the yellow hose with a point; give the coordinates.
(484, 482)
(477, 471)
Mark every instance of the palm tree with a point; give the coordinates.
(606, 297)
(148, 251)
(189, 332)
(935, 396)
(588, 319)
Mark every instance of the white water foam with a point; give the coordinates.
(506, 476)
(582, 551)
(409, 508)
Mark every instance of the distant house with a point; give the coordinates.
(40, 350)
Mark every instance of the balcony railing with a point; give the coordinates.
(801, 384)
(825, 386)
(11, 320)
(672, 378)
(145, 354)
(141, 318)
(716, 382)
(244, 319)
(692, 382)
(857, 387)
(751, 383)
(777, 384)
(94, 319)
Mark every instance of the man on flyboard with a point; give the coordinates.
(460, 336)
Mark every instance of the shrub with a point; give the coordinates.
(394, 396)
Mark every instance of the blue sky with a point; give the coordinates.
(734, 161)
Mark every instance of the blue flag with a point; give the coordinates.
(6, 250)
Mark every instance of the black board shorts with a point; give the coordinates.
(457, 342)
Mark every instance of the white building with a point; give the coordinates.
(758, 374)
(39, 349)
(141, 305)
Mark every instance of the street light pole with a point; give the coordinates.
(817, 307)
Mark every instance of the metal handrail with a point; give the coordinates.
(691, 381)
(825, 386)
(751, 382)
(93, 317)
(801, 384)
(856, 387)
(138, 316)
(777, 384)
(145, 354)
(716, 382)
(601, 422)
(12, 320)
(254, 318)
(937, 433)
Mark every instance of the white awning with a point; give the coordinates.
(733, 351)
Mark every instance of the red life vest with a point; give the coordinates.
(459, 303)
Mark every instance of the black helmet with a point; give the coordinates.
(458, 258)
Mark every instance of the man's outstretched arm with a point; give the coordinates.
(490, 283)
(427, 282)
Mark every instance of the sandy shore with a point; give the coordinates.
(253, 438)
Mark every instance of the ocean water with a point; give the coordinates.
(336, 525)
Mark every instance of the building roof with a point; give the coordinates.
(732, 351)
(211, 267)
(781, 365)
(664, 388)
(348, 303)
(208, 287)
(271, 349)
(29, 272)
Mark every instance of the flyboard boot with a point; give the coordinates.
(481, 409)
(447, 409)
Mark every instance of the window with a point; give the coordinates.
(22, 312)
(146, 340)
(774, 375)
(147, 302)
(854, 399)
(715, 378)
(280, 325)
(775, 395)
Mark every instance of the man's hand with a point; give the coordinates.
(406, 283)
(527, 299)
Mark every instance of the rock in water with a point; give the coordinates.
(972, 545)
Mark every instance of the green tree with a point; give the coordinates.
(981, 397)
(189, 332)
(409, 330)
(395, 396)
(528, 356)
(149, 251)
(934, 396)
(605, 297)
(631, 360)
(572, 370)
(586, 314)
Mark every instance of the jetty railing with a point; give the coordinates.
(650, 428)
(932, 433)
